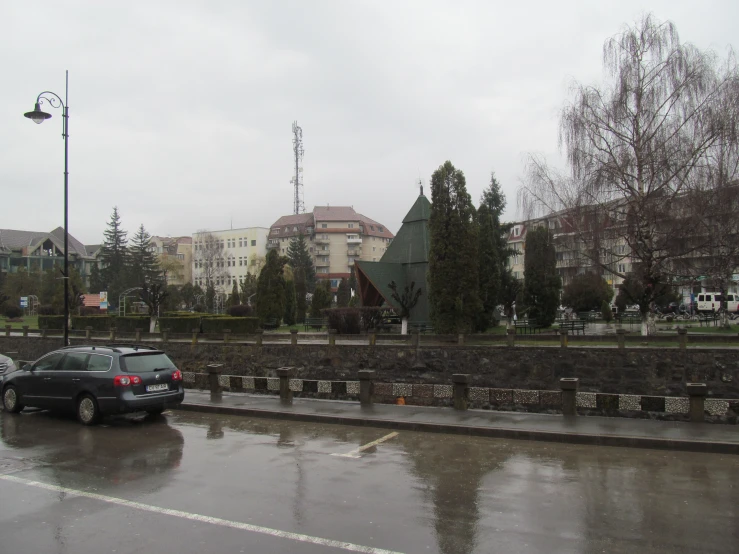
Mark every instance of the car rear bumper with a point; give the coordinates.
(131, 403)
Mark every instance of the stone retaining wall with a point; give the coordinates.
(635, 371)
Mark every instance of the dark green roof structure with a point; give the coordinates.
(405, 261)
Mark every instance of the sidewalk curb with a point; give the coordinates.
(491, 432)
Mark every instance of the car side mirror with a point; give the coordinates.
(26, 367)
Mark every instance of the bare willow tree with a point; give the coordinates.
(639, 150)
(718, 258)
(210, 261)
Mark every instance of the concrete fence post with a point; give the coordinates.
(621, 337)
(568, 386)
(43, 333)
(416, 338)
(460, 339)
(697, 393)
(138, 335)
(682, 335)
(7, 330)
(195, 333)
(260, 335)
(165, 334)
(25, 330)
(286, 395)
(563, 338)
(112, 333)
(294, 337)
(88, 333)
(332, 337)
(366, 387)
(372, 338)
(511, 337)
(461, 390)
(214, 371)
(226, 335)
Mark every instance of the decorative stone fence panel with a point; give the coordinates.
(516, 400)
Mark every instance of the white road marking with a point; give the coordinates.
(356, 453)
(349, 547)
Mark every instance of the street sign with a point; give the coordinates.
(104, 300)
(24, 302)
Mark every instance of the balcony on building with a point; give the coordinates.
(353, 239)
(271, 244)
(322, 263)
(354, 252)
(351, 261)
(321, 240)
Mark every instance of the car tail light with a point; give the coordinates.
(177, 375)
(126, 380)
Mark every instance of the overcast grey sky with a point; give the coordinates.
(181, 112)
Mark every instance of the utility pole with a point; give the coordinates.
(297, 180)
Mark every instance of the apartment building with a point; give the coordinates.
(336, 237)
(228, 256)
(175, 258)
(569, 251)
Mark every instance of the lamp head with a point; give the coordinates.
(37, 116)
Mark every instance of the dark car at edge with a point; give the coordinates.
(94, 381)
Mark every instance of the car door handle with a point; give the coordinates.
(47, 378)
(75, 379)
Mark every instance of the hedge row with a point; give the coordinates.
(240, 325)
(130, 323)
(180, 324)
(51, 322)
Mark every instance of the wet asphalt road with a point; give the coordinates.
(195, 483)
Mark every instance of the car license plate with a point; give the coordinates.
(155, 388)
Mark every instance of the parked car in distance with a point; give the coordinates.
(93, 381)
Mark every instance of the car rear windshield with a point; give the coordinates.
(144, 362)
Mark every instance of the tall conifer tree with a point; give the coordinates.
(453, 281)
(541, 280)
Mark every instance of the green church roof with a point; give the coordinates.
(411, 244)
(405, 262)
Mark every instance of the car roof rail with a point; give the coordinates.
(131, 346)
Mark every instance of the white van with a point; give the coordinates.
(710, 301)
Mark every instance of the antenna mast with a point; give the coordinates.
(297, 180)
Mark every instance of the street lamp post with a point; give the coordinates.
(39, 116)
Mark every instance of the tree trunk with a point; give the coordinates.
(152, 323)
(404, 326)
(648, 324)
(725, 319)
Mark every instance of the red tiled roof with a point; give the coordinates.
(295, 219)
(335, 213)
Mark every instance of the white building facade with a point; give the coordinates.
(228, 256)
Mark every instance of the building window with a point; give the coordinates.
(240, 245)
(254, 243)
(351, 226)
(373, 249)
(324, 226)
(380, 229)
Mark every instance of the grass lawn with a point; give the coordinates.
(30, 320)
(732, 330)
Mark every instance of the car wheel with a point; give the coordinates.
(11, 400)
(87, 410)
(155, 411)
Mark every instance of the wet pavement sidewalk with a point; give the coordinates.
(604, 431)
